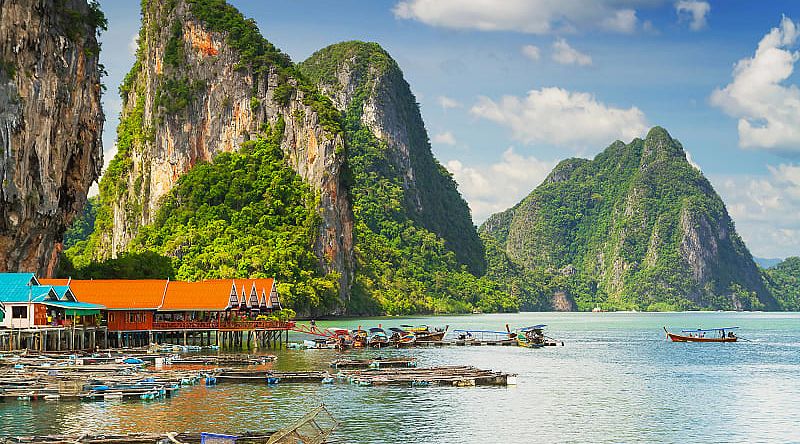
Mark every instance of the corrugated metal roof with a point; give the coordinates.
(23, 293)
(17, 279)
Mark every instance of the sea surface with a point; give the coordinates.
(616, 379)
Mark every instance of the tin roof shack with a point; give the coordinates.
(30, 303)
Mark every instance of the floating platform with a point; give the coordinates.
(460, 376)
(262, 376)
(312, 428)
(374, 363)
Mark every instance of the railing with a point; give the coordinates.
(223, 325)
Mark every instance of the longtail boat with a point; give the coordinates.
(360, 338)
(378, 337)
(534, 337)
(402, 338)
(724, 334)
(424, 333)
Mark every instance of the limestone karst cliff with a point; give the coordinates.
(50, 125)
(640, 226)
(365, 82)
(204, 82)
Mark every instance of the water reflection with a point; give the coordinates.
(616, 380)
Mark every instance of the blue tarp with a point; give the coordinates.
(535, 327)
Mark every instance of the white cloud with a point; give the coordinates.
(567, 55)
(532, 52)
(564, 118)
(693, 10)
(691, 161)
(528, 16)
(497, 187)
(446, 138)
(768, 111)
(133, 44)
(448, 103)
(623, 21)
(765, 209)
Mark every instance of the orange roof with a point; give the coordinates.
(156, 294)
(54, 282)
(120, 294)
(211, 295)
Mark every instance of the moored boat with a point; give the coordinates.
(360, 338)
(724, 334)
(534, 337)
(423, 333)
(402, 338)
(378, 338)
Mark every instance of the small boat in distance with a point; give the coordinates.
(724, 334)
(534, 337)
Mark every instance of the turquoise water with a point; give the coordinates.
(616, 380)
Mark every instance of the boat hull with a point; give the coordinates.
(430, 337)
(679, 338)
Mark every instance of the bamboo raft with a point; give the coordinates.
(262, 376)
(458, 376)
(374, 363)
(224, 360)
(136, 438)
(313, 428)
(40, 379)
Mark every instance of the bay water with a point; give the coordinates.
(616, 379)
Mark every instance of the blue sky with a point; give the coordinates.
(509, 88)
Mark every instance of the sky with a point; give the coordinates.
(509, 88)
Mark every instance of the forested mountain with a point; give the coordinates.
(783, 279)
(413, 230)
(235, 162)
(638, 227)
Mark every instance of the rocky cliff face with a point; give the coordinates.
(642, 226)
(50, 125)
(365, 82)
(203, 83)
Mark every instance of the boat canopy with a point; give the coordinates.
(397, 330)
(376, 330)
(708, 329)
(534, 327)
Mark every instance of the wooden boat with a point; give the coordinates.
(402, 338)
(360, 338)
(534, 337)
(423, 333)
(378, 338)
(724, 334)
(482, 337)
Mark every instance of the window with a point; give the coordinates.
(19, 312)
